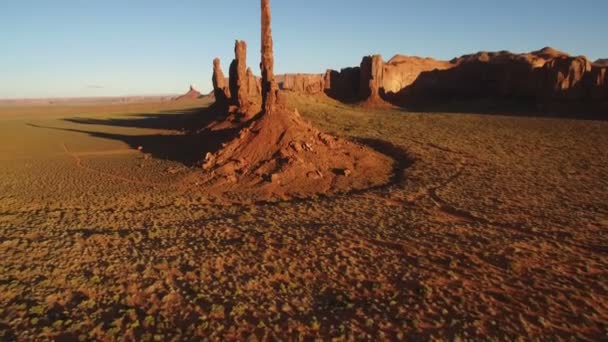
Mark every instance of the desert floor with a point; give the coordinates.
(493, 227)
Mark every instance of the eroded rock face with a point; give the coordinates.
(542, 75)
(220, 90)
(564, 78)
(603, 62)
(402, 71)
(278, 154)
(254, 84)
(343, 85)
(270, 89)
(371, 78)
(480, 76)
(239, 84)
(309, 84)
(598, 83)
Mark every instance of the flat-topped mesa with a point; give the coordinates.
(238, 75)
(372, 78)
(270, 88)
(221, 92)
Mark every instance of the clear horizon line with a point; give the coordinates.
(34, 98)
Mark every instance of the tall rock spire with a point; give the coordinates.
(219, 83)
(372, 78)
(269, 85)
(238, 75)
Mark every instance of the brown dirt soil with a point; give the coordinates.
(492, 228)
(279, 155)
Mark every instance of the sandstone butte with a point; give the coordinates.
(545, 75)
(192, 94)
(275, 153)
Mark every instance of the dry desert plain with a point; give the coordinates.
(491, 227)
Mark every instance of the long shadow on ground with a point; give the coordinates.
(188, 145)
(187, 141)
(509, 107)
(187, 121)
(399, 155)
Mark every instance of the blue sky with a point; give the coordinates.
(118, 47)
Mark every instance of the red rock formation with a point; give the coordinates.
(309, 84)
(597, 82)
(192, 94)
(481, 75)
(327, 80)
(543, 75)
(239, 85)
(563, 78)
(353, 84)
(371, 78)
(270, 89)
(401, 71)
(548, 53)
(254, 84)
(539, 77)
(279, 154)
(343, 85)
(603, 62)
(221, 92)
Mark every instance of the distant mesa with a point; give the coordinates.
(549, 53)
(543, 76)
(545, 79)
(601, 62)
(539, 79)
(310, 84)
(401, 71)
(192, 94)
